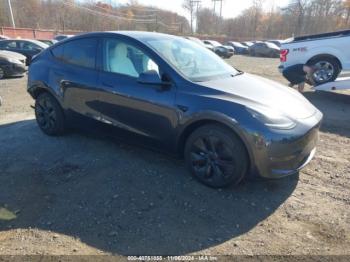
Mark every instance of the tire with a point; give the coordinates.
(49, 115)
(2, 73)
(216, 156)
(330, 69)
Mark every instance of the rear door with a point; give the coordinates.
(74, 75)
(144, 109)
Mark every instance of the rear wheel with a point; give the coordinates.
(216, 156)
(327, 70)
(49, 115)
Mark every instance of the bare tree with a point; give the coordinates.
(190, 7)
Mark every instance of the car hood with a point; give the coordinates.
(252, 91)
(13, 55)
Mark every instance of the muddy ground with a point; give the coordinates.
(87, 194)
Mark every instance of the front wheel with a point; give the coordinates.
(327, 70)
(49, 115)
(216, 156)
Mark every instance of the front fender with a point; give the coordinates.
(207, 116)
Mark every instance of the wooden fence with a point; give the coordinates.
(30, 33)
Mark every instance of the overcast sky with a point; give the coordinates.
(231, 8)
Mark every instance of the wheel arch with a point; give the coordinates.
(319, 56)
(194, 125)
(38, 88)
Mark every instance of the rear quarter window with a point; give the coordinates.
(81, 52)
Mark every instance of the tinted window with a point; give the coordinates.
(8, 45)
(126, 59)
(28, 46)
(80, 52)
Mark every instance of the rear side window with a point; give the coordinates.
(80, 52)
(8, 44)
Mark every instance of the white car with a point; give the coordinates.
(329, 53)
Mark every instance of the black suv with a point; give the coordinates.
(225, 123)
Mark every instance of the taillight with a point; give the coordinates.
(283, 55)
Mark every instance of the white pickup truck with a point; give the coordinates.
(329, 52)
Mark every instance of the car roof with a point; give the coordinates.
(27, 40)
(138, 35)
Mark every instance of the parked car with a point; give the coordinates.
(49, 42)
(198, 41)
(264, 49)
(248, 44)
(328, 53)
(219, 49)
(26, 47)
(276, 42)
(61, 37)
(12, 64)
(239, 48)
(224, 122)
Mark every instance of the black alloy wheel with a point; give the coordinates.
(49, 115)
(216, 156)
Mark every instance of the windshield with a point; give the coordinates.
(195, 62)
(237, 44)
(272, 45)
(41, 44)
(214, 43)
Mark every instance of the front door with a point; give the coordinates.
(144, 109)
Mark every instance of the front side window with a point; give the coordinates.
(194, 61)
(28, 46)
(122, 58)
(81, 52)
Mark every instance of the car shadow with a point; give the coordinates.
(120, 198)
(336, 111)
(11, 77)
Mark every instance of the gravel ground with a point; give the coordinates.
(87, 194)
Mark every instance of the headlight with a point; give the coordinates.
(272, 118)
(14, 61)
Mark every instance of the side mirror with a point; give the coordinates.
(151, 77)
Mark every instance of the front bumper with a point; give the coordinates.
(285, 153)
